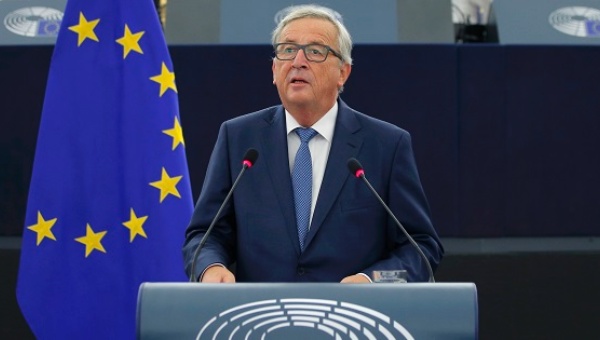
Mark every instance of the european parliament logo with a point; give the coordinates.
(299, 318)
(578, 21)
(35, 22)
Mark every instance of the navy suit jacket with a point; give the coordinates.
(350, 231)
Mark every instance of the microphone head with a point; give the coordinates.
(250, 157)
(355, 168)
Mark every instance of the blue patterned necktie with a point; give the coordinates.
(302, 183)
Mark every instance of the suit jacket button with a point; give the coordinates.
(300, 271)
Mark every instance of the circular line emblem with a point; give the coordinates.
(576, 21)
(36, 22)
(272, 319)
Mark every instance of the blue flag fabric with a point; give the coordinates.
(110, 194)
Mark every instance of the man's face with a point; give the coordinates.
(305, 85)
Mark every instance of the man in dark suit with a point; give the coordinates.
(283, 225)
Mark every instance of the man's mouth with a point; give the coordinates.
(298, 81)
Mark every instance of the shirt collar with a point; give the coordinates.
(323, 126)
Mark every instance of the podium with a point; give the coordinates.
(307, 311)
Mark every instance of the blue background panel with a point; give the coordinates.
(505, 137)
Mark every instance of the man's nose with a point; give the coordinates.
(300, 59)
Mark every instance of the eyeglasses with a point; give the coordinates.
(313, 52)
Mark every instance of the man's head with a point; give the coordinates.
(312, 61)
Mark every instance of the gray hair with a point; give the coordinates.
(315, 11)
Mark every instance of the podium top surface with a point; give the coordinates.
(307, 310)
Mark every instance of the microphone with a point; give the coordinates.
(248, 161)
(357, 170)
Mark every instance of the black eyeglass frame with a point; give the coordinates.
(307, 55)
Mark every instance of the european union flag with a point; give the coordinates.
(592, 28)
(110, 193)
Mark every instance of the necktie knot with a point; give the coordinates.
(306, 134)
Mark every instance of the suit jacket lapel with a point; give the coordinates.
(346, 143)
(275, 151)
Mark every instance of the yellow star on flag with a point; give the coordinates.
(43, 228)
(167, 185)
(92, 240)
(135, 225)
(177, 133)
(85, 29)
(166, 79)
(130, 41)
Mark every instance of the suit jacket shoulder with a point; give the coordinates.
(257, 118)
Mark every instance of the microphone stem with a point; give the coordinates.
(214, 221)
(410, 239)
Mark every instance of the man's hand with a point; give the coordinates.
(218, 274)
(357, 278)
